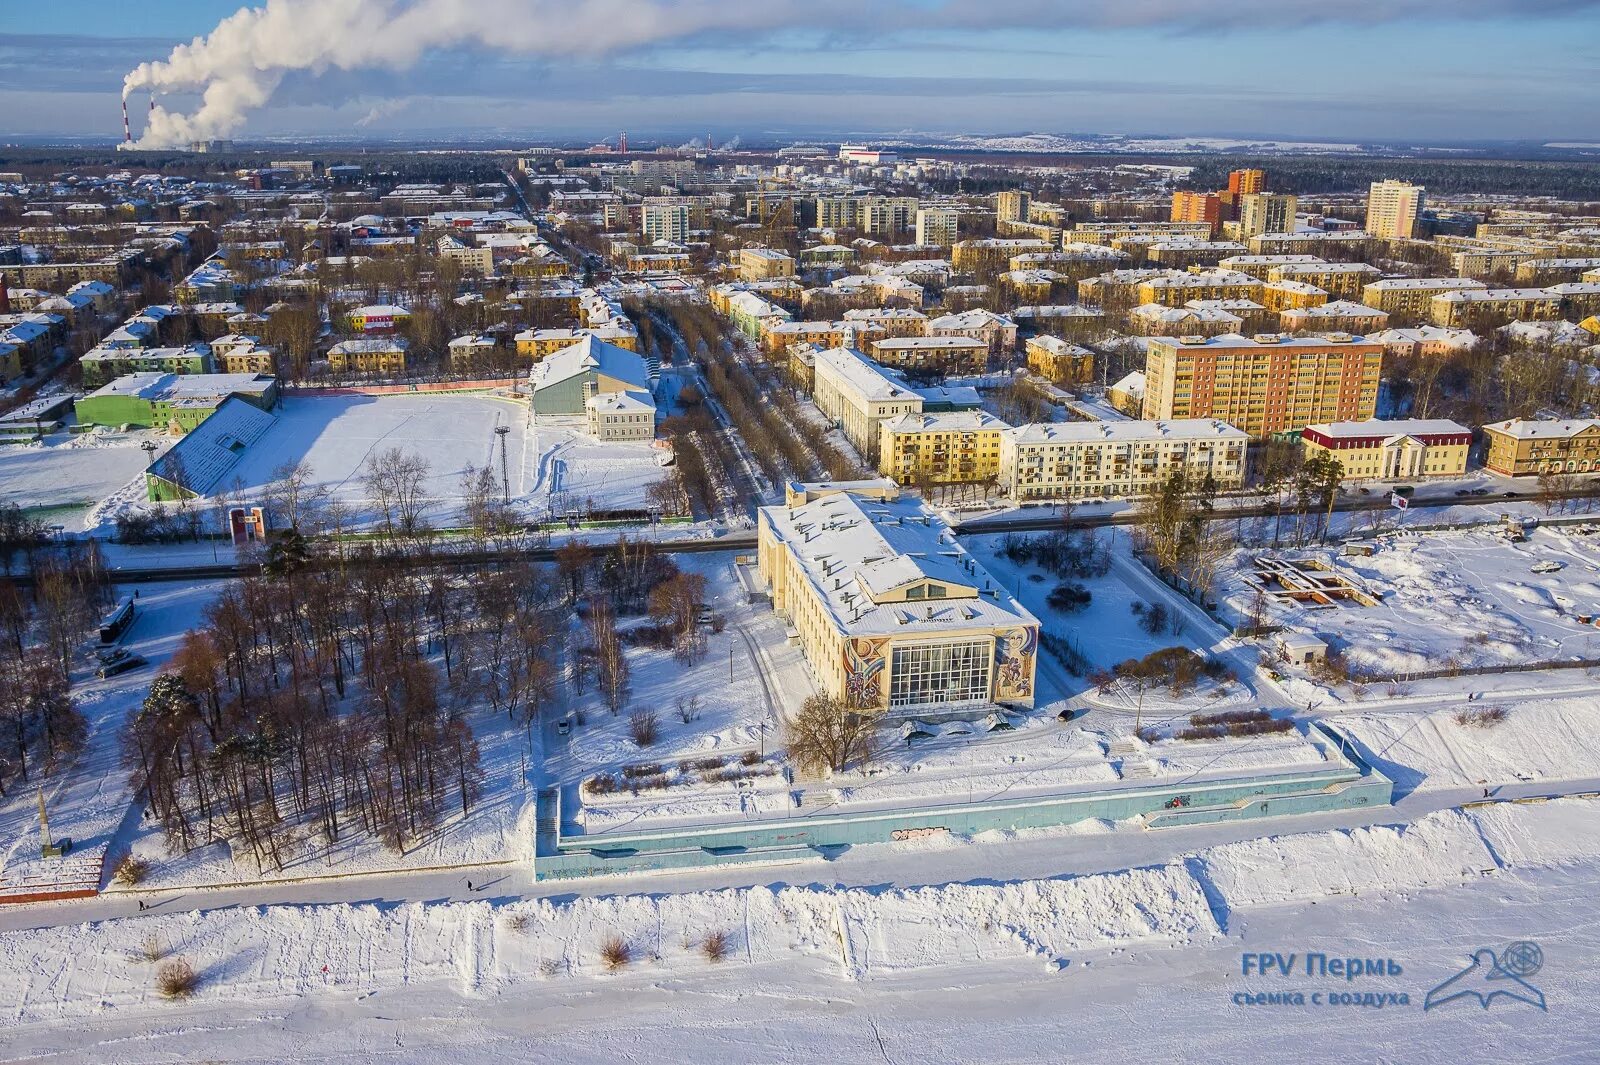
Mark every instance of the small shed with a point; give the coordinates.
(1301, 650)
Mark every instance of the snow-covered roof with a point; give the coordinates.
(591, 353)
(1389, 428)
(1544, 429)
(626, 402)
(199, 461)
(1400, 284)
(955, 421)
(1185, 429)
(855, 552)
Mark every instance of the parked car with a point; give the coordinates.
(118, 666)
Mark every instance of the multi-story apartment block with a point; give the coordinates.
(1106, 232)
(996, 330)
(1095, 460)
(668, 221)
(1491, 307)
(1266, 212)
(1554, 271)
(936, 226)
(1393, 208)
(1197, 207)
(991, 253)
(1260, 267)
(1398, 450)
(105, 364)
(1337, 316)
(943, 355)
(1181, 254)
(891, 612)
(1483, 262)
(1011, 206)
(858, 397)
(1425, 341)
(779, 336)
(1245, 182)
(890, 321)
(1263, 384)
(1174, 290)
(1410, 296)
(1056, 360)
(1522, 447)
(1339, 280)
(1279, 296)
(1154, 320)
(380, 355)
(951, 447)
(760, 264)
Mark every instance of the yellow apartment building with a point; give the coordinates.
(1523, 448)
(950, 447)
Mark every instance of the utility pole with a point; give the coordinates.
(505, 470)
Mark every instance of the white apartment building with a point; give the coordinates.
(1096, 460)
(1393, 208)
(936, 226)
(665, 221)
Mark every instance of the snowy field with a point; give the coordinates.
(737, 694)
(552, 467)
(334, 436)
(1107, 631)
(1467, 597)
(62, 477)
(1140, 962)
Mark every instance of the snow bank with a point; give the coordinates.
(1546, 740)
(1546, 834)
(293, 951)
(1441, 849)
(958, 924)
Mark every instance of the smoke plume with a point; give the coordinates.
(239, 65)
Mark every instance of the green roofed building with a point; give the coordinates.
(564, 381)
(199, 462)
(108, 362)
(177, 402)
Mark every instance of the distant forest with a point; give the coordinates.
(1311, 175)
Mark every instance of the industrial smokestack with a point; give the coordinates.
(127, 130)
(622, 142)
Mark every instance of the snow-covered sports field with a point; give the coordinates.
(553, 462)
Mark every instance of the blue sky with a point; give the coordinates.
(1445, 70)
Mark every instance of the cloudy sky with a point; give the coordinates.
(1428, 71)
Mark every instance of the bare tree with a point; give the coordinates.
(828, 734)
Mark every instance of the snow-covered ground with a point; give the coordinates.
(1469, 597)
(550, 467)
(737, 695)
(62, 477)
(1540, 740)
(88, 801)
(1141, 962)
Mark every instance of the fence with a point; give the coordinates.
(403, 389)
(1475, 671)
